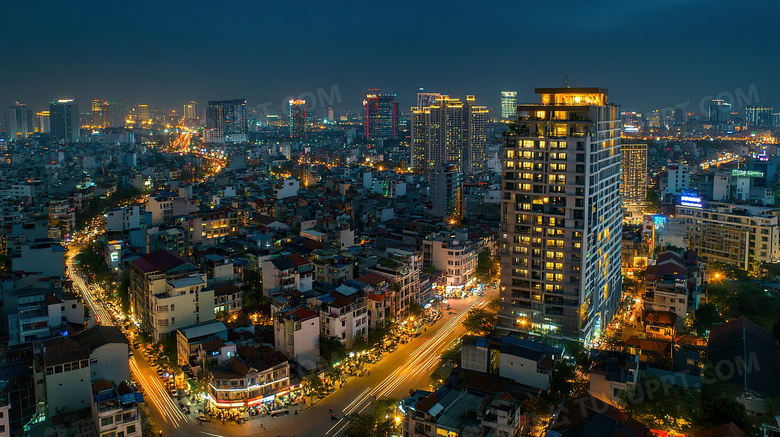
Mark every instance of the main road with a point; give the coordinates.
(407, 368)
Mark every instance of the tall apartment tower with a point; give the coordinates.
(19, 122)
(561, 217)
(297, 119)
(382, 113)
(449, 132)
(426, 99)
(508, 105)
(100, 116)
(64, 120)
(633, 188)
(226, 121)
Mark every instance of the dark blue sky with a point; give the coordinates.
(650, 54)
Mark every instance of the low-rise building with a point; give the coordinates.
(46, 257)
(252, 378)
(343, 315)
(612, 375)
(297, 335)
(207, 341)
(115, 409)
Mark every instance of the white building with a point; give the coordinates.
(186, 301)
(123, 219)
(292, 272)
(108, 352)
(297, 335)
(458, 259)
(289, 188)
(115, 409)
(677, 179)
(62, 376)
(343, 315)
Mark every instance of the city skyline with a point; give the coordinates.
(149, 71)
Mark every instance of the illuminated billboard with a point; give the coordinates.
(690, 198)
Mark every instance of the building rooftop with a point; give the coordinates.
(100, 335)
(161, 260)
(203, 329)
(187, 282)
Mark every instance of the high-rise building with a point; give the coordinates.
(449, 132)
(64, 120)
(446, 194)
(226, 121)
(759, 116)
(381, 115)
(297, 119)
(475, 119)
(508, 105)
(143, 115)
(100, 117)
(19, 122)
(719, 111)
(192, 114)
(42, 122)
(425, 100)
(633, 188)
(561, 225)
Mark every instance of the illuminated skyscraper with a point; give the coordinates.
(425, 100)
(143, 115)
(19, 122)
(226, 121)
(192, 114)
(100, 116)
(561, 225)
(508, 105)
(633, 188)
(297, 119)
(759, 116)
(449, 132)
(381, 115)
(42, 122)
(719, 112)
(64, 120)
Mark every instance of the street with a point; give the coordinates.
(407, 368)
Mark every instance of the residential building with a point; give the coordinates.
(19, 122)
(456, 258)
(108, 351)
(39, 313)
(45, 257)
(379, 299)
(674, 283)
(677, 179)
(331, 267)
(343, 315)
(446, 193)
(164, 286)
(62, 376)
(226, 122)
(741, 236)
(586, 415)
(297, 119)
(461, 412)
(612, 375)
(292, 272)
(759, 116)
(62, 214)
(64, 120)
(253, 377)
(297, 335)
(202, 342)
(382, 115)
(401, 268)
(561, 225)
(527, 362)
(633, 187)
(123, 219)
(228, 298)
(508, 105)
(478, 355)
(115, 409)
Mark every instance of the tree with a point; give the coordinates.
(725, 409)
(360, 344)
(123, 291)
(253, 288)
(663, 406)
(487, 267)
(480, 321)
(415, 309)
(332, 349)
(377, 336)
(706, 317)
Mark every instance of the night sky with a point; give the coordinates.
(650, 54)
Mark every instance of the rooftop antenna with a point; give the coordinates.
(565, 80)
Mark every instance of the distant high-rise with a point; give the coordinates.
(508, 105)
(143, 115)
(64, 120)
(759, 116)
(100, 117)
(381, 115)
(192, 114)
(449, 132)
(633, 188)
(226, 121)
(719, 112)
(19, 122)
(43, 122)
(561, 225)
(446, 195)
(297, 119)
(425, 99)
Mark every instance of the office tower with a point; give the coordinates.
(449, 132)
(42, 122)
(561, 224)
(719, 111)
(143, 115)
(297, 119)
(759, 116)
(425, 100)
(475, 119)
(192, 114)
(100, 117)
(226, 121)
(508, 105)
(19, 122)
(64, 120)
(446, 192)
(381, 115)
(633, 188)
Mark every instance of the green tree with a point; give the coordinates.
(253, 288)
(332, 349)
(653, 200)
(480, 321)
(123, 291)
(360, 344)
(706, 317)
(663, 406)
(415, 309)
(487, 267)
(725, 409)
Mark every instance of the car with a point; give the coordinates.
(280, 412)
